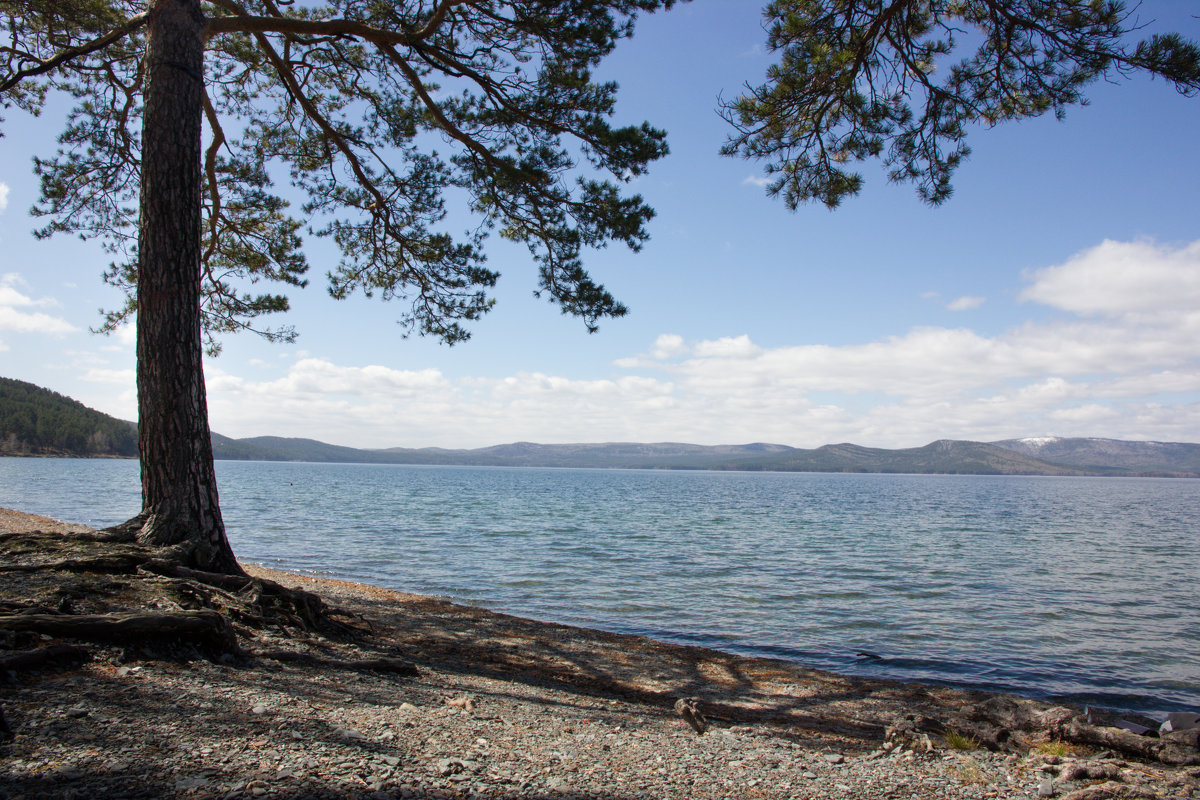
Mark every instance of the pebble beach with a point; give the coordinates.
(502, 707)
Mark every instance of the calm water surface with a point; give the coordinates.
(1080, 588)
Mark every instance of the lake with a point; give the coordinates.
(1076, 588)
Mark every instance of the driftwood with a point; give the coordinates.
(205, 628)
(56, 655)
(1111, 790)
(1169, 749)
(689, 709)
(994, 721)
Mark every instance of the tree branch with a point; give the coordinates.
(415, 81)
(71, 53)
(247, 23)
(210, 172)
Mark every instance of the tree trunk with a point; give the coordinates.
(179, 488)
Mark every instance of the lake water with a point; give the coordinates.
(1077, 588)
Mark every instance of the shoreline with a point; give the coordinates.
(503, 707)
(316, 582)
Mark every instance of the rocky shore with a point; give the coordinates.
(400, 696)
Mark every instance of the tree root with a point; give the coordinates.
(55, 656)
(162, 601)
(205, 628)
(110, 564)
(395, 666)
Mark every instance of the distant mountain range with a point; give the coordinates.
(1043, 456)
(29, 416)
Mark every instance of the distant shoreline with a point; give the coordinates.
(1055, 472)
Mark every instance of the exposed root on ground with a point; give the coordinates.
(104, 589)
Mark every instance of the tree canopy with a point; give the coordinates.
(863, 79)
(378, 113)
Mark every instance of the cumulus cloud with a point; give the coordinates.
(1115, 278)
(3, 196)
(15, 316)
(115, 377)
(756, 180)
(668, 345)
(734, 347)
(1121, 361)
(965, 303)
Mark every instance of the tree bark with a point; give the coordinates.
(179, 488)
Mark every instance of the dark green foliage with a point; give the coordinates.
(861, 79)
(37, 421)
(379, 113)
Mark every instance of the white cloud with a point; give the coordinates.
(14, 318)
(756, 180)
(1121, 277)
(3, 196)
(668, 345)
(1126, 373)
(115, 377)
(965, 303)
(736, 347)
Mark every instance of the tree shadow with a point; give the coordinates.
(597, 664)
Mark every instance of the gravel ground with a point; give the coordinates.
(500, 708)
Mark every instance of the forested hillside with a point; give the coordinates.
(37, 421)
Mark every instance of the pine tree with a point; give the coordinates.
(863, 79)
(186, 110)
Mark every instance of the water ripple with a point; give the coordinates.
(1061, 587)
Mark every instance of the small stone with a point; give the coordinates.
(185, 784)
(408, 707)
(259, 709)
(1046, 788)
(449, 766)
(834, 758)
(391, 761)
(810, 775)
(464, 702)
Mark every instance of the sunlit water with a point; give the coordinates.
(1078, 588)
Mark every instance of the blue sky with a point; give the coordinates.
(1056, 293)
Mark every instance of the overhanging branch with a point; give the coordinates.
(72, 53)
